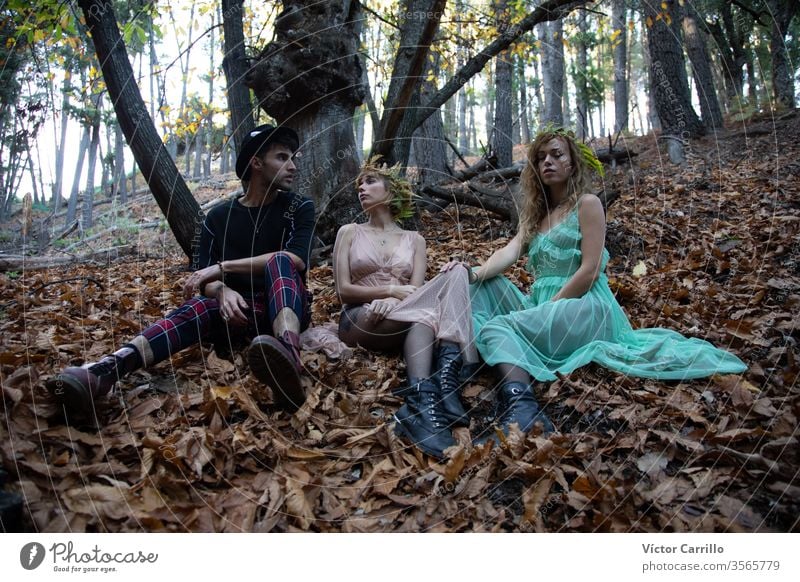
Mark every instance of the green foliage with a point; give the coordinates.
(12, 57)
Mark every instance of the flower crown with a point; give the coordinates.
(403, 196)
(587, 154)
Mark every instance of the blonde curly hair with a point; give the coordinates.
(537, 201)
(402, 201)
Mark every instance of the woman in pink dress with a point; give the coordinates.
(379, 270)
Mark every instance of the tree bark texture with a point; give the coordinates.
(524, 120)
(72, 204)
(620, 48)
(695, 42)
(669, 83)
(429, 144)
(731, 51)
(581, 84)
(552, 73)
(502, 144)
(87, 207)
(58, 183)
(120, 178)
(235, 66)
(167, 185)
(781, 12)
(418, 27)
(309, 78)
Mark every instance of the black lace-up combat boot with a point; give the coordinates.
(449, 364)
(517, 405)
(421, 421)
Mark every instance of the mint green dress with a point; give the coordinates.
(545, 337)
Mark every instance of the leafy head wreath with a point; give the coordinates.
(587, 154)
(402, 202)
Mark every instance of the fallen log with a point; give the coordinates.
(607, 155)
(22, 263)
(504, 173)
(496, 201)
(475, 169)
(492, 201)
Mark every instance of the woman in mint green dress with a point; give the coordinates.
(570, 317)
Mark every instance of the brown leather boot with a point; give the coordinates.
(77, 389)
(276, 362)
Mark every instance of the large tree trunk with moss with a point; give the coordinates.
(309, 78)
(181, 210)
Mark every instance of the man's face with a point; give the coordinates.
(276, 167)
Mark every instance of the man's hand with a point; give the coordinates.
(232, 306)
(197, 281)
(380, 308)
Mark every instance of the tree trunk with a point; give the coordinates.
(58, 183)
(187, 153)
(209, 121)
(620, 48)
(752, 93)
(502, 144)
(463, 136)
(236, 67)
(152, 63)
(120, 177)
(370, 106)
(782, 72)
(199, 143)
(168, 187)
(565, 106)
(88, 194)
(32, 172)
(429, 145)
(730, 49)
(538, 87)
(409, 70)
(183, 60)
(72, 205)
(227, 143)
(359, 126)
(669, 83)
(473, 130)
(488, 98)
(315, 89)
(105, 171)
(524, 120)
(581, 84)
(552, 72)
(701, 67)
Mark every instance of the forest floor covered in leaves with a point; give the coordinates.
(710, 250)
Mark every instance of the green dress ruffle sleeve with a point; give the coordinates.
(547, 337)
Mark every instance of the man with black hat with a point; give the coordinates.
(249, 280)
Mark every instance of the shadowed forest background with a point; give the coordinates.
(118, 130)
